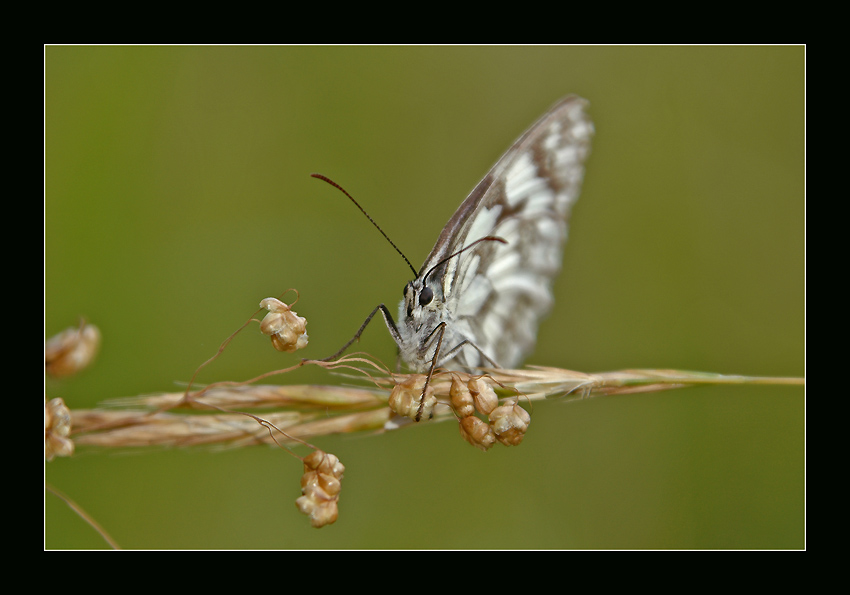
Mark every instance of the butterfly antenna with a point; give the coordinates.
(362, 210)
(464, 249)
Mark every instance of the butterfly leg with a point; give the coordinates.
(465, 342)
(388, 319)
(442, 329)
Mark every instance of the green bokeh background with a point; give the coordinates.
(177, 196)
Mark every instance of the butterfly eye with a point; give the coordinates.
(425, 296)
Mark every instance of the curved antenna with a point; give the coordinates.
(362, 210)
(465, 248)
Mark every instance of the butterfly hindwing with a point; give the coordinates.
(489, 299)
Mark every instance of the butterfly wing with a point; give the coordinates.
(496, 293)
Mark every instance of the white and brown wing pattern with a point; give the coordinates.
(482, 306)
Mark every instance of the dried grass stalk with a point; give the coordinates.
(219, 414)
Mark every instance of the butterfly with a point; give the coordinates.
(479, 296)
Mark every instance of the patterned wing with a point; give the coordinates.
(494, 293)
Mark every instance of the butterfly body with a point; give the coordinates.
(480, 305)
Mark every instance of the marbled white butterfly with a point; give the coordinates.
(478, 298)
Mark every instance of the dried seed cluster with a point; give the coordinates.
(71, 350)
(506, 423)
(57, 427)
(320, 486)
(406, 398)
(509, 423)
(287, 330)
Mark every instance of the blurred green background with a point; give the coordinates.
(177, 196)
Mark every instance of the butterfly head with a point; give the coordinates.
(419, 300)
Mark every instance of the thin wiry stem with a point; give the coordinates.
(84, 515)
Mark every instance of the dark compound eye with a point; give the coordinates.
(425, 296)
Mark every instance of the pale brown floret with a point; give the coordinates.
(57, 427)
(287, 330)
(407, 400)
(477, 432)
(509, 423)
(461, 398)
(320, 486)
(483, 395)
(71, 350)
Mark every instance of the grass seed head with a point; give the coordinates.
(477, 432)
(57, 427)
(320, 487)
(461, 398)
(483, 395)
(287, 330)
(406, 397)
(509, 423)
(71, 350)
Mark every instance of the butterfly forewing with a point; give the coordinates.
(487, 301)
